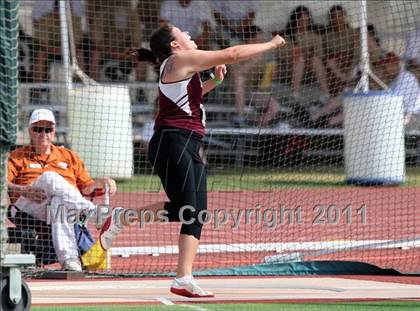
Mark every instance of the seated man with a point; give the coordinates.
(45, 180)
(403, 83)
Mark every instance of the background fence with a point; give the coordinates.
(275, 136)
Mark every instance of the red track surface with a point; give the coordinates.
(390, 214)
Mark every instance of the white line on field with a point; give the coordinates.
(194, 307)
(165, 301)
(277, 247)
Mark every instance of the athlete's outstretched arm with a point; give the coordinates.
(190, 61)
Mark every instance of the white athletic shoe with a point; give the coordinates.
(72, 265)
(111, 228)
(191, 290)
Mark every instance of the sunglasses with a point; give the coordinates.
(39, 129)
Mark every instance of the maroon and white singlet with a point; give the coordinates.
(180, 104)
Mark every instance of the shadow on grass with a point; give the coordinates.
(284, 182)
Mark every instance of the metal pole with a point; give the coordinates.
(3, 203)
(364, 61)
(65, 50)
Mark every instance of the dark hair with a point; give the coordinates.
(334, 9)
(337, 8)
(297, 13)
(160, 45)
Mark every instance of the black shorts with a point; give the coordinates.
(175, 157)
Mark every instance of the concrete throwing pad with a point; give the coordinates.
(226, 289)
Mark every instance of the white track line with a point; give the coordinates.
(278, 247)
(69, 287)
(165, 301)
(194, 307)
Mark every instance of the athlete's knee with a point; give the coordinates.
(48, 178)
(193, 219)
(193, 229)
(50, 182)
(50, 175)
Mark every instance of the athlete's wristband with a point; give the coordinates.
(215, 79)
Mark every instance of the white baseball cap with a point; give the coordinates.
(41, 115)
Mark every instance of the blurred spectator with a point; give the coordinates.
(284, 59)
(26, 56)
(189, 15)
(342, 49)
(247, 78)
(114, 27)
(401, 82)
(412, 52)
(148, 13)
(46, 21)
(307, 51)
(330, 115)
(374, 34)
(232, 17)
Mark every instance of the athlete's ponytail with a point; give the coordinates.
(145, 55)
(160, 45)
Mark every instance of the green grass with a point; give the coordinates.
(382, 306)
(262, 179)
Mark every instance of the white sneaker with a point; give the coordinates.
(111, 228)
(72, 265)
(191, 290)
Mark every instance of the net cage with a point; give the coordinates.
(8, 101)
(311, 149)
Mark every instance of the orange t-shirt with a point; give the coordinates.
(25, 166)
